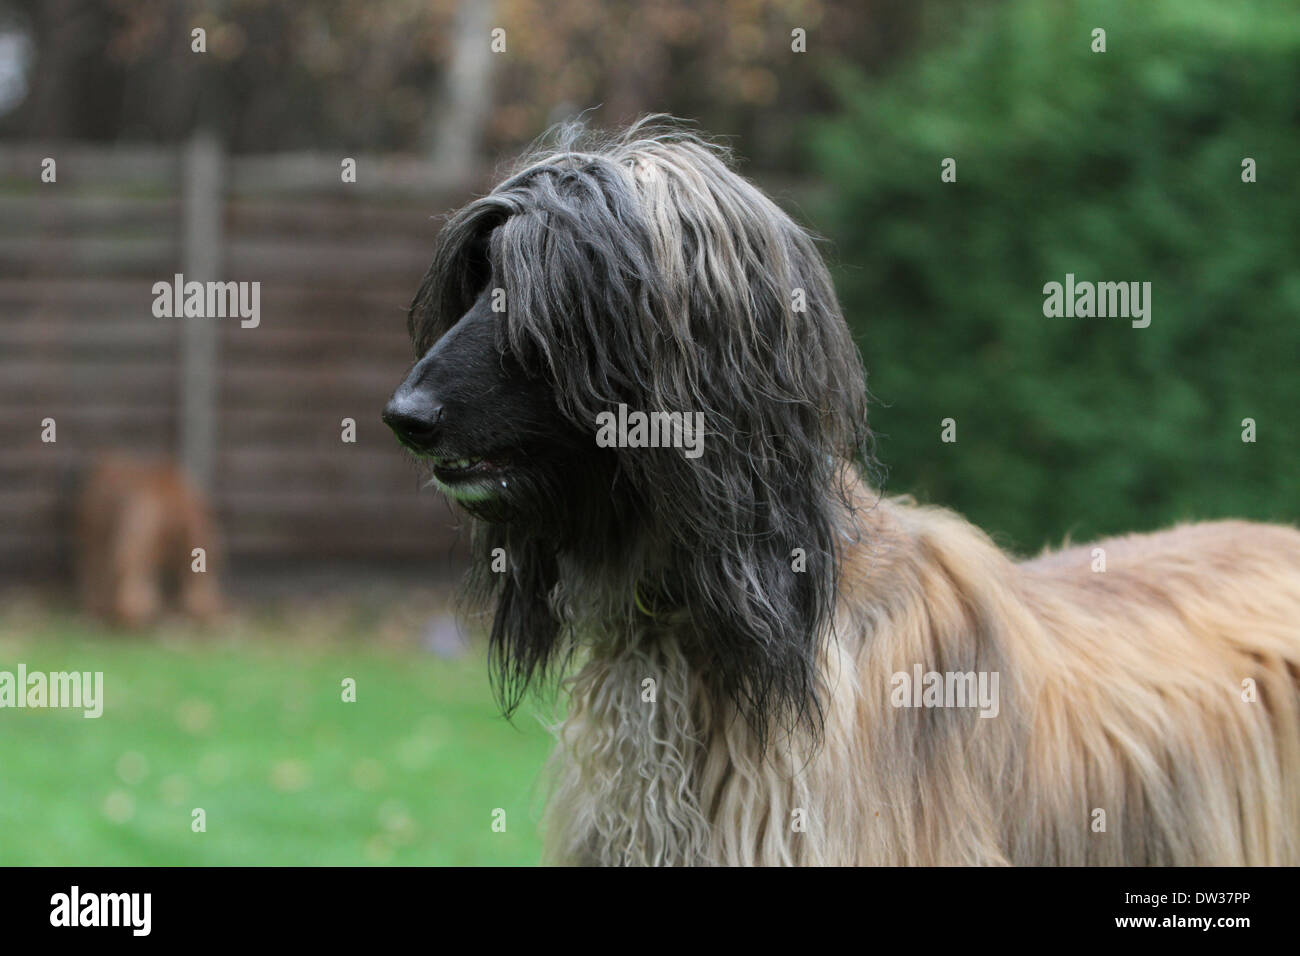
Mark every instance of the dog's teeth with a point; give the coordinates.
(458, 463)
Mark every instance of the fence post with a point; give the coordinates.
(201, 215)
(463, 103)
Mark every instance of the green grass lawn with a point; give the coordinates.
(251, 728)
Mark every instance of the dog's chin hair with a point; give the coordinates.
(528, 554)
(480, 491)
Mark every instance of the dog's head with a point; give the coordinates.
(642, 277)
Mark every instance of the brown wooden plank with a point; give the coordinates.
(101, 288)
(106, 293)
(74, 339)
(51, 210)
(354, 468)
(82, 165)
(318, 173)
(132, 380)
(329, 262)
(95, 256)
(416, 221)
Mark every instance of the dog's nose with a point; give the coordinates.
(416, 423)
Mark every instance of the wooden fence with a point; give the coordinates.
(254, 412)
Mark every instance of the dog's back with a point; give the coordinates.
(1172, 680)
(1149, 708)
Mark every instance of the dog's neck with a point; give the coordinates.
(653, 769)
(654, 766)
(651, 758)
(630, 742)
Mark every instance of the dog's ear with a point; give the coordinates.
(756, 518)
(739, 322)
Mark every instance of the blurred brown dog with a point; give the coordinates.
(137, 525)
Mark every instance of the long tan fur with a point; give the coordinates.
(137, 523)
(1126, 691)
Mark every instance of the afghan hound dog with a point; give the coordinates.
(137, 525)
(634, 376)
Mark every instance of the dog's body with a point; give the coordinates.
(1121, 691)
(740, 616)
(137, 525)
